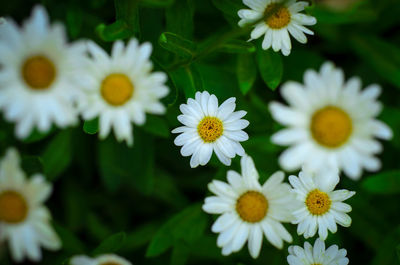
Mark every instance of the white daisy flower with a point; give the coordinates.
(279, 18)
(209, 128)
(120, 89)
(317, 255)
(106, 259)
(38, 70)
(331, 123)
(24, 220)
(249, 210)
(320, 207)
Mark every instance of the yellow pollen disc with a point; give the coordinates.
(277, 16)
(13, 207)
(210, 129)
(38, 72)
(252, 206)
(318, 202)
(117, 89)
(331, 126)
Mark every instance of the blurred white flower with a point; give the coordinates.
(209, 128)
(332, 123)
(249, 211)
(279, 18)
(38, 70)
(120, 89)
(320, 207)
(106, 259)
(310, 255)
(24, 220)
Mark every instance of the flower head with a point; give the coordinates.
(320, 206)
(248, 210)
(209, 128)
(38, 74)
(317, 255)
(332, 123)
(278, 19)
(106, 259)
(24, 220)
(120, 89)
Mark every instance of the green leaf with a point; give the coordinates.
(115, 31)
(111, 244)
(156, 3)
(237, 46)
(70, 242)
(37, 136)
(91, 127)
(57, 155)
(179, 18)
(187, 79)
(156, 126)
(31, 164)
(188, 226)
(229, 9)
(180, 254)
(246, 72)
(380, 55)
(128, 12)
(178, 45)
(270, 66)
(383, 183)
(132, 166)
(74, 21)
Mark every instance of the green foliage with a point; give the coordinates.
(148, 190)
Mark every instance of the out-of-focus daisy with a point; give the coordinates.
(331, 123)
(37, 73)
(106, 259)
(120, 89)
(279, 18)
(24, 220)
(320, 207)
(209, 128)
(249, 211)
(317, 255)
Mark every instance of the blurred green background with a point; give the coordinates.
(144, 202)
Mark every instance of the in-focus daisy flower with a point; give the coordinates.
(120, 89)
(24, 220)
(320, 207)
(209, 128)
(37, 74)
(317, 255)
(106, 259)
(278, 19)
(249, 211)
(331, 123)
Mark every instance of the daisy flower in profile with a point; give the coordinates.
(24, 220)
(120, 89)
(331, 123)
(279, 18)
(320, 207)
(209, 128)
(317, 255)
(37, 74)
(106, 259)
(249, 211)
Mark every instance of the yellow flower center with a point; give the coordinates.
(252, 206)
(13, 207)
(277, 16)
(117, 89)
(38, 72)
(318, 202)
(331, 126)
(210, 129)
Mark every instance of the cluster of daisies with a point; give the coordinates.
(46, 81)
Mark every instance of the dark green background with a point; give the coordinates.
(144, 202)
